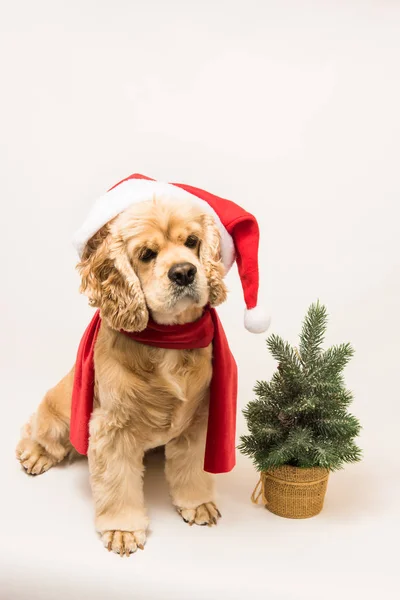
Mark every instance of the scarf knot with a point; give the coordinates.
(198, 334)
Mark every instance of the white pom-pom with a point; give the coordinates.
(256, 320)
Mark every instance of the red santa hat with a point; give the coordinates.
(238, 228)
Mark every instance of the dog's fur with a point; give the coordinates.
(144, 397)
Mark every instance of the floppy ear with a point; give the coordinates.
(110, 282)
(210, 256)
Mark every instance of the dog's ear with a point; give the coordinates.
(110, 282)
(210, 256)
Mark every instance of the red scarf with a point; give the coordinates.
(220, 445)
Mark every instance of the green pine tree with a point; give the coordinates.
(300, 417)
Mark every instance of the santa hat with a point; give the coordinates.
(238, 228)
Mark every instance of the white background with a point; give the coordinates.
(288, 108)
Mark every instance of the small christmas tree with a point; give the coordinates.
(300, 417)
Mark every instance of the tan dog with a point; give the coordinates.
(164, 259)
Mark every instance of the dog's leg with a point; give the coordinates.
(45, 438)
(192, 489)
(116, 471)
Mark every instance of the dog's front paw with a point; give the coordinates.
(205, 514)
(123, 543)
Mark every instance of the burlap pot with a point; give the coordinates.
(292, 492)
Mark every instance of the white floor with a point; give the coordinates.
(49, 549)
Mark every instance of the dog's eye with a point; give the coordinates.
(191, 242)
(147, 255)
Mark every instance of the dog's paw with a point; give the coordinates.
(205, 514)
(124, 543)
(33, 457)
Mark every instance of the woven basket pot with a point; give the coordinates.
(293, 492)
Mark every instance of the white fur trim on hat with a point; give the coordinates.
(133, 191)
(256, 320)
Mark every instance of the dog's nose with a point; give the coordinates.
(182, 273)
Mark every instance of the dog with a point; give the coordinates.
(158, 259)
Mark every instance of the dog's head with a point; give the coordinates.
(157, 256)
